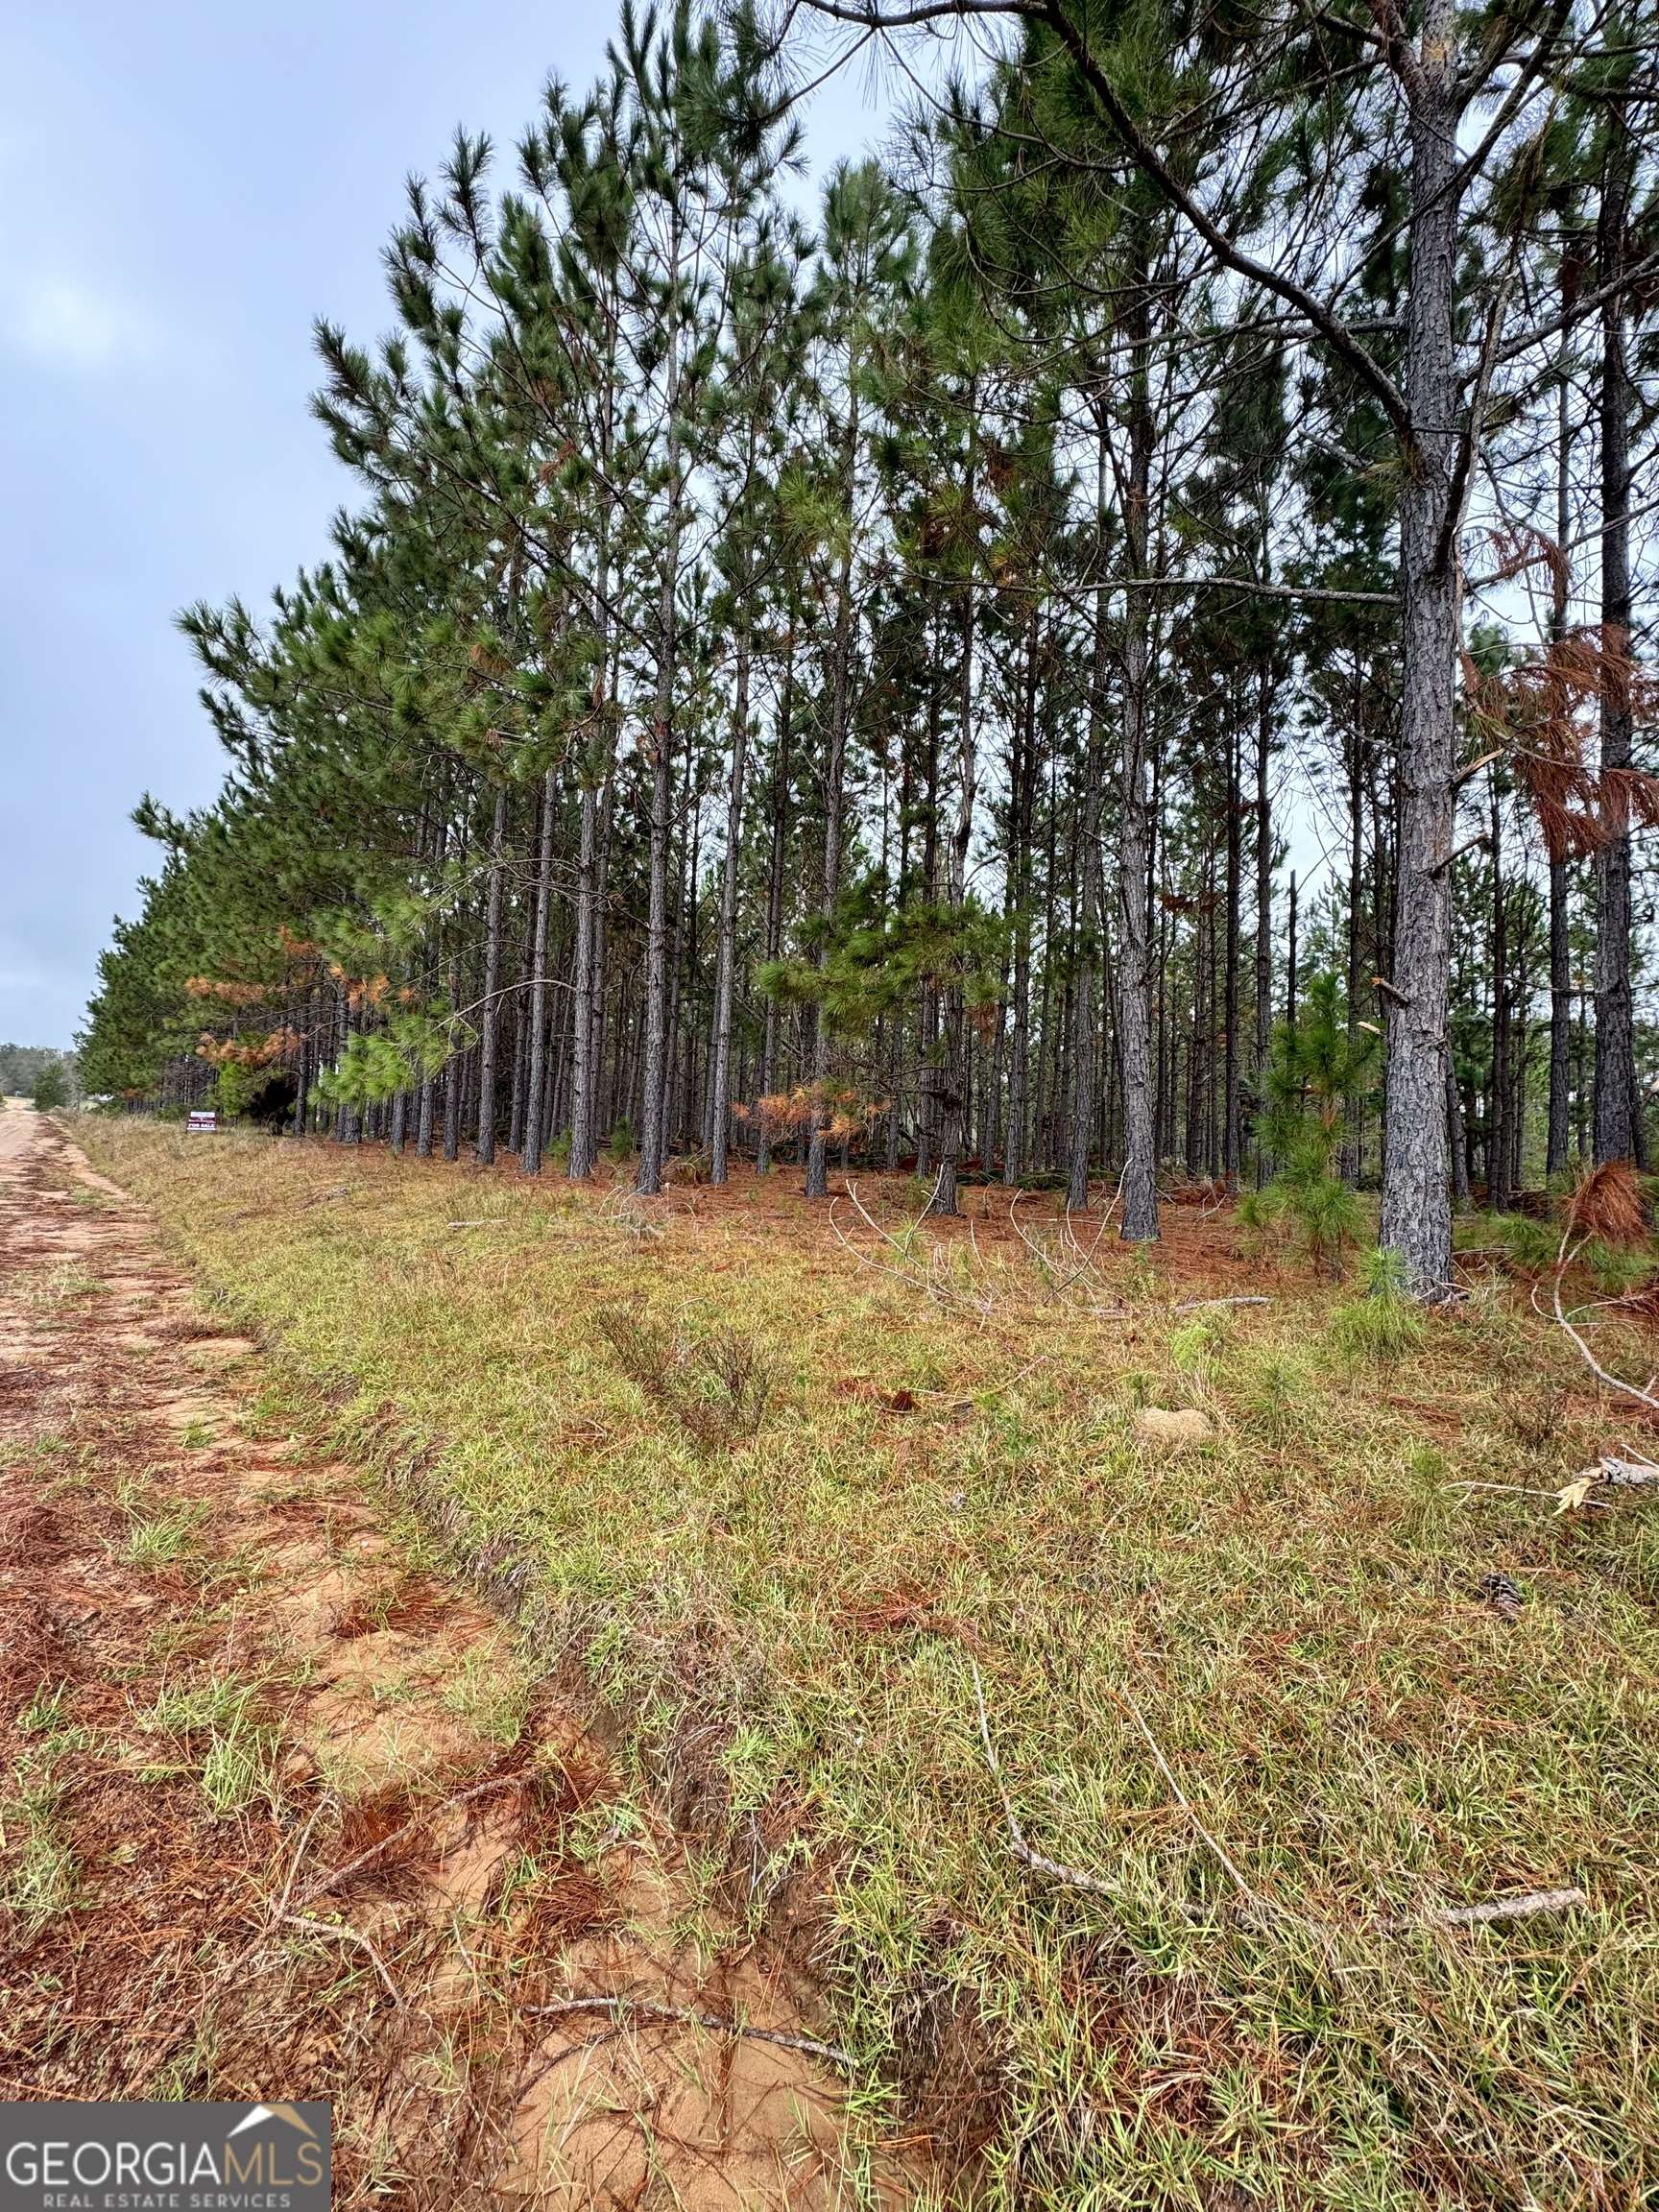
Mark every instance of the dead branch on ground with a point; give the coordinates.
(1252, 1909)
(626, 2009)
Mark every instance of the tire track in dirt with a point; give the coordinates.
(281, 1816)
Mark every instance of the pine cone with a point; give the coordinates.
(1502, 1595)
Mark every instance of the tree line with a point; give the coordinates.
(856, 684)
(37, 1073)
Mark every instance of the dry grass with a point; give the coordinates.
(1254, 1688)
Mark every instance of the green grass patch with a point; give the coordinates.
(217, 1732)
(158, 1534)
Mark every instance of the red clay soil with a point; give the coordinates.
(269, 1829)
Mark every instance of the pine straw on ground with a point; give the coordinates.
(1256, 1712)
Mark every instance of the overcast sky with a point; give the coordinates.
(186, 185)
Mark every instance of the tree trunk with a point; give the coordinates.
(929, 1105)
(652, 1135)
(1135, 833)
(774, 892)
(583, 1075)
(1014, 1152)
(521, 1024)
(895, 1034)
(957, 1101)
(1290, 960)
(1230, 1144)
(535, 1099)
(688, 814)
(1093, 799)
(1498, 1120)
(491, 1026)
(1353, 1105)
(836, 769)
(725, 962)
(453, 1076)
(1560, 949)
(584, 1064)
(1457, 1140)
(1263, 882)
(1615, 1132)
(1416, 1215)
(596, 1000)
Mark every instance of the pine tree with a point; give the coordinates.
(1314, 1069)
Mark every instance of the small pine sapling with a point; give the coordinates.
(1382, 1326)
(1314, 1069)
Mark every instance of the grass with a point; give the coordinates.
(1267, 1654)
(39, 1876)
(216, 1722)
(491, 1692)
(239, 1765)
(157, 1535)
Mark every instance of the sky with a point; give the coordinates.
(186, 187)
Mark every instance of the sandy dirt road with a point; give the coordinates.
(284, 1815)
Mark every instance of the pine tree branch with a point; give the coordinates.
(1328, 325)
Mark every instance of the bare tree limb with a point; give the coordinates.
(1056, 1870)
(342, 1932)
(625, 2008)
(1493, 1913)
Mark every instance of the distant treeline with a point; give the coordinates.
(22, 1066)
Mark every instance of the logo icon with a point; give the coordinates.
(183, 2157)
(257, 2114)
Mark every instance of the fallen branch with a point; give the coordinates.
(1625, 1474)
(326, 1197)
(1529, 1907)
(1047, 1261)
(1073, 1877)
(293, 1864)
(317, 1199)
(1564, 1260)
(1256, 1902)
(321, 1886)
(343, 1932)
(1512, 1490)
(1196, 1304)
(930, 1280)
(1068, 1227)
(997, 1389)
(902, 1273)
(683, 2016)
(1252, 1909)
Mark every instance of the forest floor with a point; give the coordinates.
(1106, 1692)
(284, 1813)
